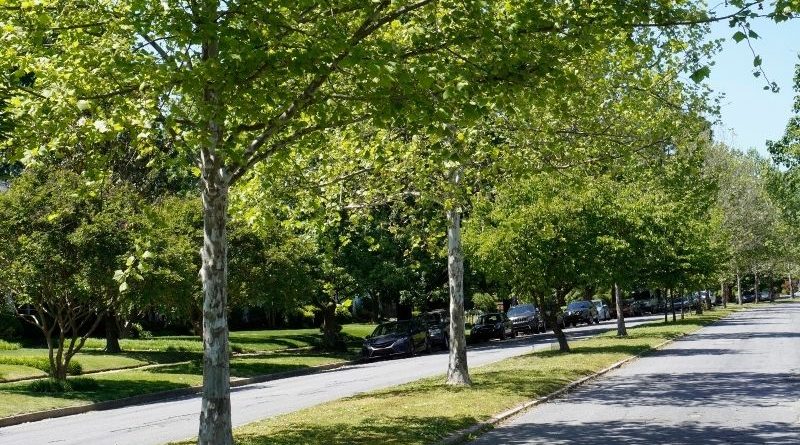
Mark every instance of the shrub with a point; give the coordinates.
(53, 386)
(484, 302)
(8, 346)
(41, 363)
(343, 314)
(137, 331)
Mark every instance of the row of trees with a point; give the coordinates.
(343, 125)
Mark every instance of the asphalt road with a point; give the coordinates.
(158, 423)
(735, 382)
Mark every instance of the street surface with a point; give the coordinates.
(158, 423)
(736, 382)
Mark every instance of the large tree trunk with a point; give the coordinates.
(724, 290)
(112, 333)
(791, 288)
(551, 317)
(621, 331)
(457, 370)
(215, 415)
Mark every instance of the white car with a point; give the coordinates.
(603, 312)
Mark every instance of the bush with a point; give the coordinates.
(343, 313)
(53, 386)
(484, 302)
(305, 316)
(8, 346)
(41, 363)
(137, 331)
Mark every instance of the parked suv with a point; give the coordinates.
(438, 323)
(581, 312)
(525, 318)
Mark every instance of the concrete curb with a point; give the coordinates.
(162, 395)
(464, 435)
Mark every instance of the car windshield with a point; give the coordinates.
(576, 305)
(517, 311)
(395, 327)
(489, 319)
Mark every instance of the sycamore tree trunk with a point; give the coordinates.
(621, 331)
(457, 370)
(215, 414)
(739, 289)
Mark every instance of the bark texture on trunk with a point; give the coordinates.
(791, 288)
(215, 415)
(331, 337)
(621, 330)
(457, 369)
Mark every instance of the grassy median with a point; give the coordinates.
(426, 411)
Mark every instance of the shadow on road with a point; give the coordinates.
(635, 432)
(695, 389)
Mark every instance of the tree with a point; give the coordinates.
(236, 82)
(61, 242)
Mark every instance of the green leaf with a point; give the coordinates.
(123, 286)
(739, 36)
(699, 75)
(757, 61)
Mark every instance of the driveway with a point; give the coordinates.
(735, 382)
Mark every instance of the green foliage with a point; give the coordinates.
(53, 386)
(484, 302)
(40, 363)
(8, 346)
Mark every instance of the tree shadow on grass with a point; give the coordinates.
(422, 429)
(104, 390)
(152, 357)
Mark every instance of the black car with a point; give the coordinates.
(438, 323)
(397, 337)
(525, 318)
(581, 312)
(495, 325)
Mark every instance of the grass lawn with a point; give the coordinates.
(21, 397)
(426, 411)
(157, 350)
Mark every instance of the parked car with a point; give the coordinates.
(525, 318)
(438, 323)
(603, 310)
(494, 325)
(581, 312)
(397, 337)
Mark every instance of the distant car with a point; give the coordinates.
(525, 318)
(494, 325)
(405, 337)
(602, 309)
(581, 312)
(438, 323)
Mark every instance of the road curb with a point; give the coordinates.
(162, 395)
(466, 434)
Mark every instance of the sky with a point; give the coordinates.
(750, 115)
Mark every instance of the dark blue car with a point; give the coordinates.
(405, 337)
